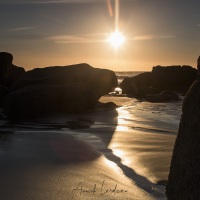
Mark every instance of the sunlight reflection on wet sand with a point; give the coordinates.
(130, 147)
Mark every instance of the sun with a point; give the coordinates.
(116, 39)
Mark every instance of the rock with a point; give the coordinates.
(160, 79)
(14, 74)
(3, 92)
(5, 62)
(130, 85)
(106, 106)
(162, 97)
(38, 100)
(144, 91)
(183, 182)
(68, 89)
(173, 77)
(9, 73)
(99, 81)
(198, 64)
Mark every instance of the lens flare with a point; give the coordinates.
(110, 8)
(116, 15)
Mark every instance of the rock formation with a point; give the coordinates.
(100, 81)
(160, 79)
(41, 99)
(133, 85)
(9, 73)
(59, 89)
(162, 97)
(175, 78)
(198, 63)
(184, 177)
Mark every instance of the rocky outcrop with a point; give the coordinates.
(40, 99)
(175, 78)
(101, 81)
(165, 96)
(9, 73)
(5, 62)
(198, 64)
(160, 79)
(132, 85)
(67, 89)
(183, 182)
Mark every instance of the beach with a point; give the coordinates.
(103, 154)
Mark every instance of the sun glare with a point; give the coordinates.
(116, 39)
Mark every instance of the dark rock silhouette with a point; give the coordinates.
(41, 99)
(162, 97)
(106, 106)
(66, 89)
(184, 177)
(101, 81)
(198, 64)
(5, 62)
(131, 85)
(9, 73)
(3, 92)
(160, 79)
(175, 78)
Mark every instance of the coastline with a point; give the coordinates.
(106, 148)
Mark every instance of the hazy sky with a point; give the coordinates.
(43, 33)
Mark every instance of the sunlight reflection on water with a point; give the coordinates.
(113, 165)
(118, 152)
(122, 128)
(152, 116)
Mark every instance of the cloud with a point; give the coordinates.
(98, 38)
(21, 35)
(88, 38)
(21, 28)
(46, 1)
(153, 37)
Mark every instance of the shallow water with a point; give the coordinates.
(136, 140)
(161, 117)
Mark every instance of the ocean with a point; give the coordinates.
(122, 75)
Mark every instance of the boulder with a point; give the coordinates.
(3, 92)
(173, 77)
(68, 89)
(100, 81)
(183, 181)
(106, 106)
(9, 73)
(160, 79)
(162, 97)
(40, 99)
(144, 91)
(5, 62)
(130, 85)
(198, 64)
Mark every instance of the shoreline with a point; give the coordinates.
(106, 146)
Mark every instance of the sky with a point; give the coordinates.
(41, 33)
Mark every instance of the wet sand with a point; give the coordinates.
(98, 155)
